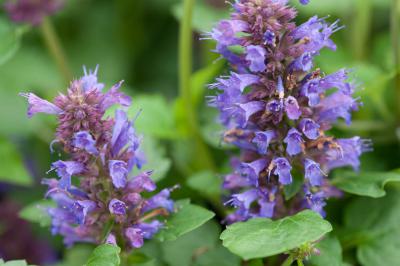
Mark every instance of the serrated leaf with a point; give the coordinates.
(12, 168)
(206, 183)
(369, 184)
(104, 255)
(187, 218)
(261, 237)
(156, 118)
(36, 212)
(330, 253)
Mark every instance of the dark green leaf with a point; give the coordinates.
(370, 184)
(258, 238)
(36, 212)
(104, 255)
(12, 168)
(187, 218)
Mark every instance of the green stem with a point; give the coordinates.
(203, 154)
(361, 28)
(288, 261)
(54, 46)
(395, 28)
(300, 263)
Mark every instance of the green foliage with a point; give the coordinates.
(187, 218)
(370, 184)
(10, 36)
(104, 255)
(376, 234)
(36, 212)
(206, 183)
(330, 253)
(259, 237)
(12, 168)
(76, 255)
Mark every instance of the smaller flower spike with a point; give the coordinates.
(277, 107)
(31, 11)
(100, 154)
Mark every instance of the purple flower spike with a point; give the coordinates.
(244, 200)
(38, 105)
(103, 151)
(294, 142)
(65, 170)
(83, 140)
(313, 172)
(263, 139)
(309, 128)
(117, 207)
(277, 107)
(256, 57)
(283, 169)
(118, 173)
(135, 237)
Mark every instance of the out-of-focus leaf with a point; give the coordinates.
(377, 221)
(331, 253)
(77, 255)
(219, 256)
(156, 159)
(137, 258)
(36, 212)
(205, 183)
(204, 15)
(322, 8)
(104, 255)
(292, 189)
(260, 237)
(10, 36)
(156, 118)
(187, 218)
(12, 168)
(369, 184)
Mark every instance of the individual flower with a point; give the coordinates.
(277, 107)
(95, 187)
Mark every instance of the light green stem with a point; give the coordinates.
(395, 28)
(300, 263)
(202, 153)
(361, 27)
(54, 46)
(288, 261)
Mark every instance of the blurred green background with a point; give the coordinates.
(137, 40)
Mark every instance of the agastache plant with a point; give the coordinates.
(97, 198)
(278, 108)
(31, 11)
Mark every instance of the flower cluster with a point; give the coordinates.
(97, 199)
(31, 11)
(277, 109)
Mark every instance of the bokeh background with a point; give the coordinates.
(137, 41)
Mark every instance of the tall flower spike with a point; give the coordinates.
(100, 154)
(277, 108)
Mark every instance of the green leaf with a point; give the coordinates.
(376, 220)
(136, 258)
(156, 159)
(206, 183)
(12, 168)
(292, 189)
(219, 256)
(104, 255)
(187, 218)
(260, 237)
(36, 212)
(156, 118)
(331, 253)
(10, 36)
(13, 263)
(77, 255)
(204, 15)
(369, 184)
